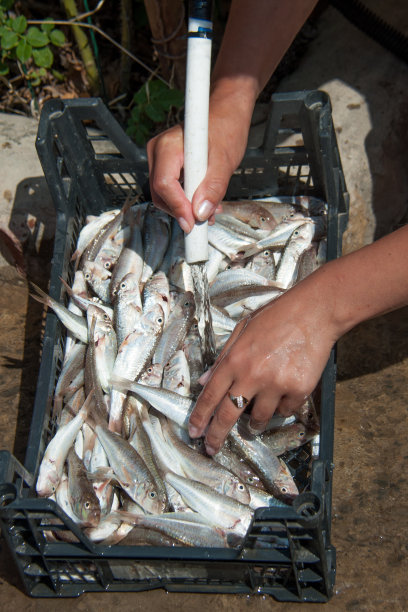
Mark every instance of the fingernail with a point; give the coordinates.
(255, 427)
(184, 225)
(204, 377)
(210, 450)
(193, 432)
(205, 210)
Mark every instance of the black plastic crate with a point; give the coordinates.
(90, 165)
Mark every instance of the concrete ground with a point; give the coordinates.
(367, 86)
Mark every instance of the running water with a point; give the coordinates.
(205, 328)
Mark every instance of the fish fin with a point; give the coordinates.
(41, 296)
(121, 384)
(67, 287)
(103, 474)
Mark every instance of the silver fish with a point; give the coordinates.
(299, 241)
(272, 471)
(98, 279)
(76, 324)
(176, 374)
(81, 494)
(130, 260)
(128, 307)
(134, 354)
(206, 470)
(226, 512)
(176, 329)
(130, 470)
(52, 463)
(172, 405)
(156, 237)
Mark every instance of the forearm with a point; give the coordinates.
(363, 284)
(257, 35)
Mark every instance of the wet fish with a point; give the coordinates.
(176, 329)
(81, 494)
(52, 463)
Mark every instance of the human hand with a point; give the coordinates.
(275, 356)
(227, 138)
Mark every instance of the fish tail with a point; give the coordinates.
(121, 384)
(40, 295)
(91, 413)
(67, 287)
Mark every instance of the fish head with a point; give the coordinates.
(129, 283)
(187, 304)
(304, 233)
(234, 487)
(285, 486)
(88, 510)
(149, 498)
(155, 317)
(152, 376)
(95, 272)
(48, 479)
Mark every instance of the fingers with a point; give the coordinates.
(166, 158)
(208, 400)
(211, 191)
(223, 420)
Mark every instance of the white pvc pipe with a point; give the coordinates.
(196, 131)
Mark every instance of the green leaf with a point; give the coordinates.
(155, 113)
(139, 133)
(58, 75)
(47, 25)
(36, 38)
(6, 4)
(3, 30)
(171, 97)
(140, 96)
(24, 51)
(4, 69)
(57, 38)
(9, 40)
(19, 24)
(43, 57)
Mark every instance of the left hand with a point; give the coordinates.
(275, 356)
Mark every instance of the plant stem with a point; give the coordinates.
(84, 48)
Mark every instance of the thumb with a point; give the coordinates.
(211, 191)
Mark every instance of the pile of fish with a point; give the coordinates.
(121, 464)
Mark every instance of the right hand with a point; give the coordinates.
(227, 138)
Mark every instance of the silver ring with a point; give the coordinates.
(239, 401)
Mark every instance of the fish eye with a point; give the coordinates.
(160, 320)
(301, 434)
(87, 276)
(250, 479)
(153, 494)
(87, 505)
(263, 219)
(53, 489)
(186, 303)
(296, 233)
(107, 265)
(106, 317)
(149, 370)
(228, 267)
(266, 253)
(241, 487)
(123, 285)
(284, 489)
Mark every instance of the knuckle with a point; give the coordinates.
(223, 420)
